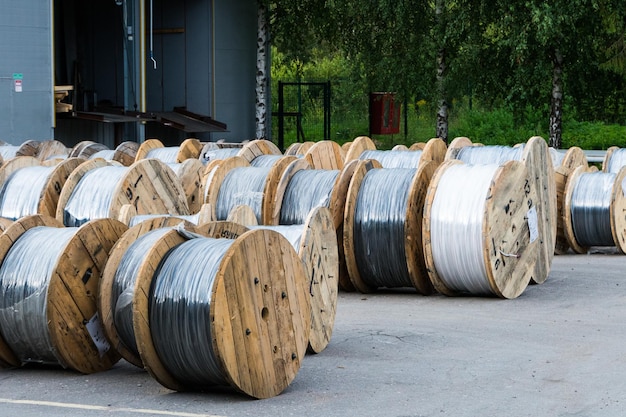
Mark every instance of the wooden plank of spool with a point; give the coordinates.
(78, 148)
(215, 173)
(537, 159)
(508, 254)
(5, 223)
(346, 148)
(126, 153)
(271, 192)
(127, 212)
(50, 148)
(325, 154)
(358, 146)
(455, 147)
(49, 198)
(434, 150)
(189, 149)
(618, 210)
(607, 158)
(190, 174)
(294, 167)
(293, 149)
(305, 147)
(572, 180)
(29, 148)
(105, 294)
(243, 215)
(400, 148)
(417, 146)
(223, 229)
(14, 164)
(146, 147)
(86, 148)
(360, 171)
(258, 147)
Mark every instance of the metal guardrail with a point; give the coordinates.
(593, 156)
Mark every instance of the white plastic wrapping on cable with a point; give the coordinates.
(21, 192)
(242, 186)
(394, 159)
(106, 154)
(617, 160)
(556, 156)
(124, 285)
(167, 154)
(180, 308)
(307, 189)
(24, 278)
(456, 227)
(265, 161)
(293, 233)
(135, 220)
(379, 222)
(474, 155)
(590, 209)
(9, 151)
(218, 154)
(92, 197)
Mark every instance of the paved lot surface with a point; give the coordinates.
(558, 350)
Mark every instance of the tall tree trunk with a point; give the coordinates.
(441, 130)
(261, 71)
(556, 100)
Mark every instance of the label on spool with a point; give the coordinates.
(533, 224)
(96, 331)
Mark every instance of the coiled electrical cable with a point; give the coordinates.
(25, 275)
(218, 154)
(474, 155)
(456, 227)
(394, 159)
(106, 154)
(557, 157)
(193, 218)
(617, 160)
(122, 291)
(590, 209)
(265, 161)
(9, 151)
(21, 193)
(179, 310)
(293, 233)
(167, 154)
(307, 189)
(242, 186)
(379, 221)
(93, 195)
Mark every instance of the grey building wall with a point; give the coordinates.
(26, 48)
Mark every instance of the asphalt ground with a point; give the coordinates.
(557, 350)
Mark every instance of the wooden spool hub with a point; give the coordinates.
(243, 215)
(325, 154)
(51, 148)
(505, 231)
(258, 147)
(86, 148)
(607, 158)
(126, 153)
(573, 158)
(191, 173)
(29, 148)
(106, 296)
(260, 314)
(617, 210)
(71, 293)
(358, 146)
(417, 146)
(412, 226)
(149, 185)
(319, 255)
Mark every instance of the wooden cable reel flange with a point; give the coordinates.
(574, 157)
(86, 148)
(258, 147)
(146, 147)
(243, 215)
(105, 295)
(14, 164)
(358, 146)
(126, 153)
(50, 148)
(293, 149)
(607, 158)
(505, 231)
(190, 174)
(295, 166)
(128, 212)
(259, 314)
(149, 185)
(400, 147)
(617, 210)
(417, 146)
(29, 148)
(412, 226)
(49, 199)
(319, 255)
(325, 154)
(214, 175)
(346, 147)
(72, 292)
(455, 147)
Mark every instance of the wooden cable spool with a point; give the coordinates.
(535, 156)
(400, 147)
(51, 191)
(318, 252)
(413, 219)
(5, 223)
(149, 185)
(51, 148)
(126, 153)
(86, 148)
(574, 157)
(434, 150)
(505, 228)
(106, 296)
(360, 144)
(29, 148)
(607, 157)
(190, 172)
(260, 314)
(258, 147)
(71, 308)
(325, 154)
(128, 214)
(243, 215)
(292, 150)
(346, 147)
(417, 146)
(188, 149)
(617, 210)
